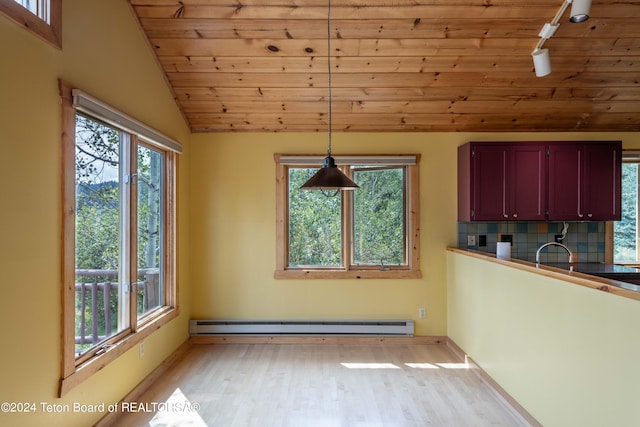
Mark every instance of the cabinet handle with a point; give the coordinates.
(589, 215)
(515, 215)
(505, 215)
(580, 215)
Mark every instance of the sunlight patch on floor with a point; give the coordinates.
(370, 366)
(177, 411)
(453, 365)
(353, 365)
(422, 365)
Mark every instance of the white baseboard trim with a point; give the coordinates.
(313, 339)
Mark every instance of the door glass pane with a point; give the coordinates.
(625, 231)
(99, 307)
(379, 216)
(314, 224)
(150, 230)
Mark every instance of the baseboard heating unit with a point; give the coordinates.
(301, 327)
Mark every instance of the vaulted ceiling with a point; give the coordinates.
(397, 65)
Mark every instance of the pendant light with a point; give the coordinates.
(329, 176)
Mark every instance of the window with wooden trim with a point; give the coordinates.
(41, 17)
(626, 232)
(371, 232)
(119, 279)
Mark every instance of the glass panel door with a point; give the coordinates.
(150, 229)
(100, 302)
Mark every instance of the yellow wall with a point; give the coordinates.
(105, 54)
(567, 353)
(233, 250)
(233, 218)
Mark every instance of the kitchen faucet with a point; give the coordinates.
(554, 244)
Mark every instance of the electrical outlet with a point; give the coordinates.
(506, 238)
(422, 312)
(142, 349)
(471, 240)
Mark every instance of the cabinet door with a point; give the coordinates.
(585, 181)
(527, 182)
(488, 181)
(565, 175)
(602, 182)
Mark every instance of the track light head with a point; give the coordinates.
(580, 10)
(541, 62)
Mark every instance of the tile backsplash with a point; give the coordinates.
(585, 239)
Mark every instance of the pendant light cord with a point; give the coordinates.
(329, 72)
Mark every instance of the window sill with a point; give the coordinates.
(97, 362)
(347, 274)
(628, 263)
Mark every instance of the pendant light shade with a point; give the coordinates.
(329, 177)
(580, 10)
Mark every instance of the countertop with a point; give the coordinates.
(596, 268)
(590, 274)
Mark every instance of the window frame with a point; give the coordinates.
(628, 156)
(49, 31)
(348, 270)
(76, 370)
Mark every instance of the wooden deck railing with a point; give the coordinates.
(94, 301)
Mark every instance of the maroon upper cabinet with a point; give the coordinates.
(585, 181)
(527, 168)
(501, 182)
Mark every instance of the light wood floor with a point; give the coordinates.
(300, 385)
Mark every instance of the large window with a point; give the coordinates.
(119, 231)
(42, 17)
(370, 232)
(626, 236)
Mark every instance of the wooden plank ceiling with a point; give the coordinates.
(397, 65)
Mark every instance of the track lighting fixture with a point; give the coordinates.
(579, 13)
